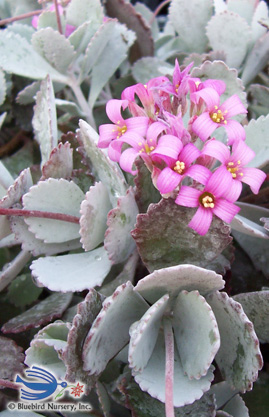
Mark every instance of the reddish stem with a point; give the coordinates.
(58, 17)
(8, 384)
(20, 17)
(41, 214)
(157, 11)
(169, 368)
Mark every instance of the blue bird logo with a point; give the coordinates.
(38, 390)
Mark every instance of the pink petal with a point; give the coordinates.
(137, 124)
(113, 110)
(143, 94)
(35, 21)
(199, 173)
(209, 95)
(225, 210)
(188, 154)
(188, 197)
(127, 160)
(133, 139)
(107, 132)
(168, 148)
(242, 152)
(114, 150)
(168, 180)
(154, 131)
(254, 178)
(129, 93)
(235, 131)
(219, 182)
(217, 150)
(69, 29)
(234, 106)
(201, 221)
(204, 126)
(234, 191)
(217, 85)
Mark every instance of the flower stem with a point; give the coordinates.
(59, 23)
(169, 367)
(38, 213)
(84, 105)
(157, 11)
(20, 17)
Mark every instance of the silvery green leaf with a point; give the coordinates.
(145, 192)
(45, 119)
(196, 333)
(236, 407)
(152, 378)
(230, 33)
(42, 313)
(219, 70)
(222, 392)
(265, 220)
(219, 6)
(243, 8)
(17, 189)
(3, 88)
(248, 221)
(107, 171)
(13, 268)
(60, 163)
(110, 330)
(256, 307)
(82, 35)
(2, 118)
(103, 398)
(144, 334)
(177, 278)
(54, 47)
(25, 31)
(56, 196)
(257, 139)
(118, 240)
(27, 95)
(19, 57)
(6, 179)
(73, 272)
(22, 291)
(93, 218)
(260, 13)
(189, 20)
(79, 11)
(257, 59)
(11, 360)
(239, 357)
(36, 246)
(68, 107)
(148, 67)
(148, 15)
(48, 19)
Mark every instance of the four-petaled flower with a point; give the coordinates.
(77, 390)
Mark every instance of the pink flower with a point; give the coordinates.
(110, 132)
(180, 167)
(211, 200)
(235, 164)
(68, 28)
(217, 116)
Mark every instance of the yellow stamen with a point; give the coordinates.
(179, 167)
(207, 200)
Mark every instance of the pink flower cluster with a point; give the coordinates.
(176, 155)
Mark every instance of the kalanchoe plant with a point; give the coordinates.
(134, 261)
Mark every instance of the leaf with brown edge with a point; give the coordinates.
(164, 239)
(87, 310)
(126, 13)
(11, 359)
(60, 163)
(145, 192)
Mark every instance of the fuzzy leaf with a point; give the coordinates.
(220, 71)
(22, 291)
(126, 13)
(152, 378)
(189, 20)
(144, 334)
(3, 87)
(177, 278)
(257, 139)
(6, 179)
(265, 220)
(145, 192)
(230, 33)
(239, 357)
(11, 359)
(236, 407)
(56, 196)
(20, 186)
(259, 16)
(94, 211)
(45, 119)
(13, 268)
(256, 307)
(79, 11)
(87, 311)
(148, 67)
(36, 246)
(81, 37)
(248, 222)
(25, 31)
(107, 171)
(103, 398)
(243, 8)
(118, 240)
(148, 16)
(222, 392)
(164, 239)
(48, 19)
(73, 272)
(196, 333)
(43, 312)
(257, 59)
(60, 163)
(54, 47)
(110, 330)
(19, 57)
(27, 95)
